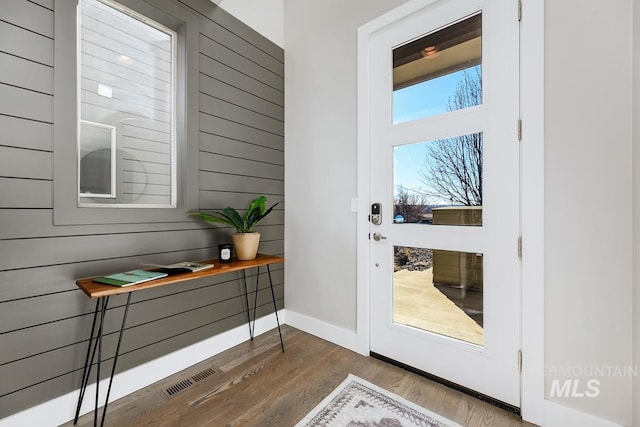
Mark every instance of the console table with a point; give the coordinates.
(101, 294)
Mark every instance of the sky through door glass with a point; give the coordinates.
(432, 75)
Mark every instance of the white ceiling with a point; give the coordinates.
(264, 16)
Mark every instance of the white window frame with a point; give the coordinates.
(66, 209)
(174, 75)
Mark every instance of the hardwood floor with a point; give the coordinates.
(255, 384)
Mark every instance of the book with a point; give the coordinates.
(184, 266)
(129, 278)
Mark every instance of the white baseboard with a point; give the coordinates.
(557, 415)
(340, 336)
(62, 409)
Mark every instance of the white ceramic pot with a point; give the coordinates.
(246, 245)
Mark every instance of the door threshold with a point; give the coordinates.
(495, 402)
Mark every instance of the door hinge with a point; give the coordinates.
(519, 10)
(520, 360)
(519, 129)
(520, 247)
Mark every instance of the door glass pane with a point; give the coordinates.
(439, 72)
(439, 291)
(439, 182)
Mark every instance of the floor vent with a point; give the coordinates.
(202, 375)
(185, 384)
(177, 388)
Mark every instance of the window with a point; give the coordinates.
(127, 65)
(430, 73)
(439, 181)
(125, 112)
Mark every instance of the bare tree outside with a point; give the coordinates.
(410, 204)
(452, 171)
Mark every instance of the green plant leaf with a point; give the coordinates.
(256, 208)
(267, 212)
(256, 211)
(258, 202)
(235, 219)
(252, 218)
(211, 217)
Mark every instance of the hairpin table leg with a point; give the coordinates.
(103, 312)
(246, 302)
(86, 371)
(255, 301)
(275, 308)
(115, 359)
(95, 345)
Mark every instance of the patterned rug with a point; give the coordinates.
(358, 403)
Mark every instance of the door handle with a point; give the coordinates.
(377, 236)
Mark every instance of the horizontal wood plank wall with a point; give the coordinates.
(44, 318)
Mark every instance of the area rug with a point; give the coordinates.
(358, 403)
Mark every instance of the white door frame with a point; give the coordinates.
(532, 195)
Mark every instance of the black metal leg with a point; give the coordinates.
(275, 308)
(95, 345)
(115, 358)
(246, 302)
(103, 312)
(86, 371)
(255, 300)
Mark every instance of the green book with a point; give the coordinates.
(129, 278)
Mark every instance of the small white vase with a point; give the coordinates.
(246, 245)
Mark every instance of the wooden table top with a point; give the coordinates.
(98, 290)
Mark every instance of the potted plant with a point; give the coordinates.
(245, 240)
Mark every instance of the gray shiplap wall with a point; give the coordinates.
(44, 318)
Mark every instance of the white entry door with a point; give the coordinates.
(444, 192)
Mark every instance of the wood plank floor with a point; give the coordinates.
(255, 384)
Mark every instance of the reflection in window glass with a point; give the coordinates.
(97, 160)
(439, 72)
(439, 182)
(439, 291)
(127, 82)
